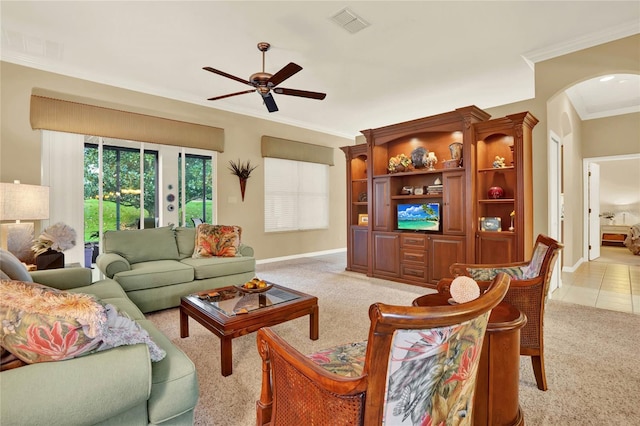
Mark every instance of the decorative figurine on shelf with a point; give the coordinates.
(399, 163)
(513, 215)
(498, 163)
(419, 157)
(432, 160)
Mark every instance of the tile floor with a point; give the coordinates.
(602, 285)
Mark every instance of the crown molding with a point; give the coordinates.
(594, 39)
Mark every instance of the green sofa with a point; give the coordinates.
(118, 386)
(155, 266)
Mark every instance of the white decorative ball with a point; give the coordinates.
(464, 289)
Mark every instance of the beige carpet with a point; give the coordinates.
(591, 354)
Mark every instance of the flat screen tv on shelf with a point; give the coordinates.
(419, 217)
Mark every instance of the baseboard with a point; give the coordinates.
(301, 255)
(574, 267)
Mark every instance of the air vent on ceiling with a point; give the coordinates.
(348, 20)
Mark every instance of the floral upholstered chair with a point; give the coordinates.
(418, 367)
(528, 292)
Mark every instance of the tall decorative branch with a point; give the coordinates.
(243, 171)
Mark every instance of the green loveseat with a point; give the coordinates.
(155, 266)
(118, 386)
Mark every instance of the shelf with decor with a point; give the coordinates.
(357, 207)
(504, 188)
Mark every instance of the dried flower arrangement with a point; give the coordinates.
(240, 169)
(399, 163)
(58, 237)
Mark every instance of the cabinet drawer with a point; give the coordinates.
(416, 273)
(413, 256)
(414, 241)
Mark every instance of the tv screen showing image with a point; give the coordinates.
(419, 217)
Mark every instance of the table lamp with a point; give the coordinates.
(21, 202)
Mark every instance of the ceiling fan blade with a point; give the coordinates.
(231, 94)
(301, 93)
(224, 74)
(270, 102)
(286, 72)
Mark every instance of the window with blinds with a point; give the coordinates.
(296, 195)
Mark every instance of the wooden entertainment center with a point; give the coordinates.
(475, 223)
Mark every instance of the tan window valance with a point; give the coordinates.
(298, 151)
(75, 117)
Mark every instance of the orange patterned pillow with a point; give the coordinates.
(217, 240)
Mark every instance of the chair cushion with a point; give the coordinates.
(533, 270)
(217, 240)
(488, 274)
(142, 245)
(344, 360)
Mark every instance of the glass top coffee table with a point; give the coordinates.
(228, 313)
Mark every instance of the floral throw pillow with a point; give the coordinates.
(42, 324)
(217, 240)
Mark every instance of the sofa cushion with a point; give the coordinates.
(142, 245)
(159, 273)
(110, 291)
(43, 324)
(174, 383)
(13, 268)
(213, 267)
(217, 240)
(186, 240)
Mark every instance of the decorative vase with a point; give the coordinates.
(50, 259)
(495, 192)
(419, 157)
(456, 151)
(243, 186)
(431, 161)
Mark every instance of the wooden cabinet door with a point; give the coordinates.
(359, 253)
(443, 252)
(382, 219)
(453, 198)
(386, 254)
(495, 247)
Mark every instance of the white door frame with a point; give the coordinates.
(585, 198)
(554, 163)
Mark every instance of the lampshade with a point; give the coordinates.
(19, 201)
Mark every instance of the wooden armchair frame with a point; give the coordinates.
(297, 391)
(529, 296)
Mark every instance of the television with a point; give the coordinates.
(419, 217)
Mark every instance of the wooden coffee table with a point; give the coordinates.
(229, 313)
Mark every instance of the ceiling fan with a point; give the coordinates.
(264, 83)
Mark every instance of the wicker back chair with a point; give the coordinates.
(419, 365)
(528, 292)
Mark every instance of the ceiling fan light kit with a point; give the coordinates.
(264, 83)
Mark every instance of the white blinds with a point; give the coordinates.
(296, 195)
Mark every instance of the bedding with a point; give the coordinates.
(632, 242)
